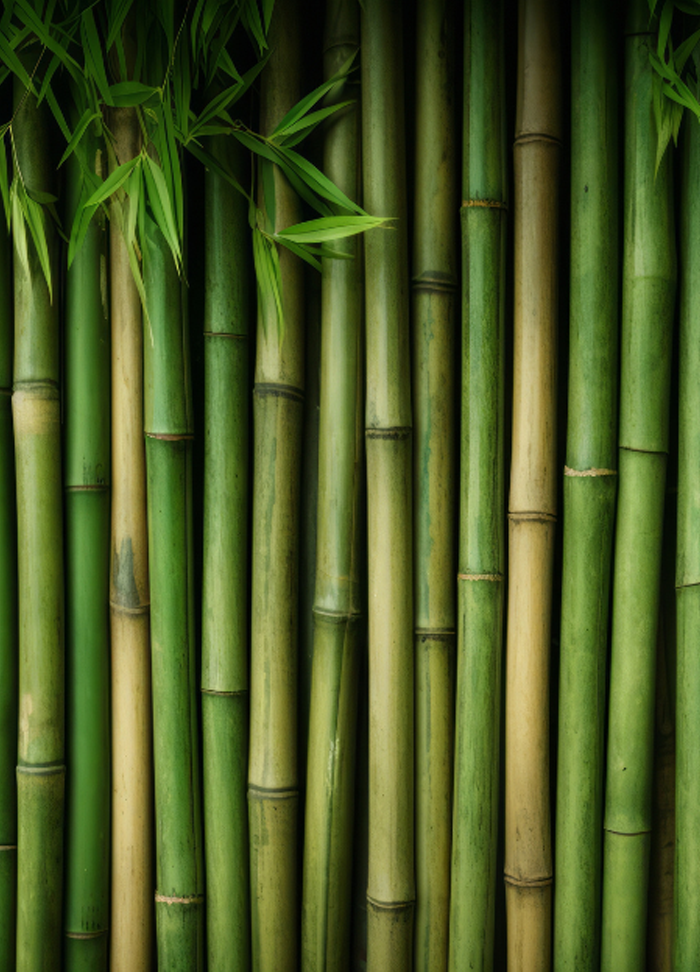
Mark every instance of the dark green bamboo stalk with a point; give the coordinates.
(391, 878)
(168, 426)
(36, 414)
(589, 486)
(225, 567)
(8, 624)
(687, 909)
(273, 785)
(434, 287)
(482, 544)
(336, 659)
(649, 273)
(86, 476)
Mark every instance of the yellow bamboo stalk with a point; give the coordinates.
(532, 503)
(132, 918)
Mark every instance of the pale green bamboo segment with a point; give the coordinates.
(86, 476)
(328, 859)
(36, 416)
(273, 784)
(649, 271)
(225, 565)
(687, 869)
(8, 623)
(590, 485)
(391, 876)
(434, 307)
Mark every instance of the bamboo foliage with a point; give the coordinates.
(532, 501)
(481, 547)
(589, 487)
(388, 421)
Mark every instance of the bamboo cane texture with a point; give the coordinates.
(36, 416)
(132, 880)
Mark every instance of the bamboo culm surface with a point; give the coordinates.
(590, 483)
(648, 292)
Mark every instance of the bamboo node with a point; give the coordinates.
(211, 691)
(586, 473)
(536, 882)
(47, 387)
(536, 517)
(399, 432)
(225, 334)
(528, 137)
(484, 204)
(86, 936)
(170, 436)
(117, 608)
(625, 833)
(336, 617)
(45, 769)
(435, 283)
(494, 578)
(195, 899)
(442, 636)
(272, 793)
(269, 389)
(93, 488)
(395, 906)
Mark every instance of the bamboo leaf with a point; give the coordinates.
(114, 181)
(9, 57)
(304, 253)
(119, 14)
(317, 181)
(306, 103)
(664, 26)
(82, 221)
(58, 114)
(307, 124)
(269, 279)
(161, 205)
(4, 184)
(328, 228)
(94, 60)
(19, 230)
(268, 7)
(87, 117)
(250, 18)
(267, 175)
(684, 50)
(37, 228)
(211, 163)
(129, 94)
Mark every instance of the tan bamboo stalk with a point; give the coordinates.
(273, 784)
(132, 909)
(532, 503)
(388, 419)
(434, 307)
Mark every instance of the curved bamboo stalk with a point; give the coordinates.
(589, 486)
(273, 785)
(225, 566)
(86, 476)
(8, 624)
(649, 274)
(336, 659)
(482, 542)
(532, 503)
(391, 880)
(434, 308)
(132, 882)
(36, 414)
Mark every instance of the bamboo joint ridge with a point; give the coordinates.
(484, 204)
(394, 906)
(194, 899)
(587, 473)
(273, 389)
(541, 882)
(399, 432)
(493, 578)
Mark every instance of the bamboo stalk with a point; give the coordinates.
(225, 566)
(532, 503)
(336, 659)
(434, 307)
(86, 477)
(273, 785)
(590, 481)
(649, 272)
(132, 914)
(168, 427)
(482, 546)
(8, 624)
(391, 879)
(36, 415)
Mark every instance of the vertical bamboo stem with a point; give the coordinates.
(336, 660)
(87, 477)
(273, 785)
(532, 503)
(132, 881)
(434, 306)
(391, 879)
(589, 486)
(36, 414)
(482, 542)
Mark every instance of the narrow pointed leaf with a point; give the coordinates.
(113, 182)
(328, 228)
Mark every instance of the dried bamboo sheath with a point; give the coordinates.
(36, 415)
(273, 785)
(590, 483)
(132, 881)
(532, 502)
(336, 658)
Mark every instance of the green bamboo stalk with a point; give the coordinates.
(273, 784)
(434, 307)
(168, 427)
(649, 273)
(482, 543)
(590, 482)
(532, 501)
(336, 659)
(8, 624)
(36, 414)
(132, 911)
(687, 909)
(391, 879)
(225, 564)
(86, 476)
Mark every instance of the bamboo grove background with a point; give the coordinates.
(349, 486)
